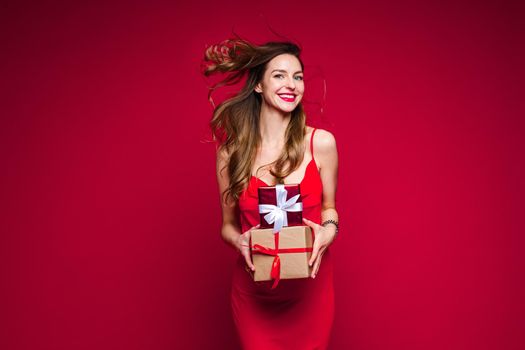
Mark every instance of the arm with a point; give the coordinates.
(326, 155)
(230, 229)
(328, 161)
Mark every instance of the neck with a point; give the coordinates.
(272, 125)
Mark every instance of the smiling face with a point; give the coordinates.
(282, 85)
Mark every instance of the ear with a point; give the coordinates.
(258, 88)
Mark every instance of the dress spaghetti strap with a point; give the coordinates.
(312, 144)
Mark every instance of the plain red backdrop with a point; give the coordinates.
(110, 212)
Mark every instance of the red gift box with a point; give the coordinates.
(280, 206)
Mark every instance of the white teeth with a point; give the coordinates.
(287, 96)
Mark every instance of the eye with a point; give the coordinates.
(299, 77)
(278, 76)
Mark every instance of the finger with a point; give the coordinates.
(310, 223)
(253, 228)
(248, 260)
(315, 249)
(317, 265)
(246, 252)
(315, 252)
(317, 261)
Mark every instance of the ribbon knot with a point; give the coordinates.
(277, 214)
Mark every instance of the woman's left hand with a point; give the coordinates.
(324, 236)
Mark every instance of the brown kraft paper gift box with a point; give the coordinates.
(293, 265)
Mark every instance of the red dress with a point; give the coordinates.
(298, 313)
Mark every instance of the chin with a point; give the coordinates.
(288, 109)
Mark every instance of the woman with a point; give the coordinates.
(263, 140)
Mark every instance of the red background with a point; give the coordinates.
(110, 213)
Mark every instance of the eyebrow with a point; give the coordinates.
(283, 71)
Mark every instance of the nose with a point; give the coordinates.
(290, 83)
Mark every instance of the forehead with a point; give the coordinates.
(284, 61)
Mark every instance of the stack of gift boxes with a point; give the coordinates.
(282, 246)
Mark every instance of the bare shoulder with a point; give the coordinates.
(324, 142)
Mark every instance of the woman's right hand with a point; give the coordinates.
(243, 246)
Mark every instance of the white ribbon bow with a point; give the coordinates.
(276, 214)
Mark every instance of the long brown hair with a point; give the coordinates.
(235, 121)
